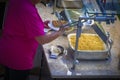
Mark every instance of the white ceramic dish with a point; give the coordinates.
(52, 27)
(46, 30)
(56, 29)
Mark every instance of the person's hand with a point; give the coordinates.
(46, 24)
(62, 30)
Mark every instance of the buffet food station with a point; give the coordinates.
(78, 62)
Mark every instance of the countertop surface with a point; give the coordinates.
(60, 67)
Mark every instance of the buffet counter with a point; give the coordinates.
(61, 67)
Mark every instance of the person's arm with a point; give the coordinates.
(49, 37)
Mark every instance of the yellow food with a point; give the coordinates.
(88, 42)
(57, 23)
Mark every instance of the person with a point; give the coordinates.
(23, 31)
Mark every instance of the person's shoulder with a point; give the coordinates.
(29, 14)
(29, 9)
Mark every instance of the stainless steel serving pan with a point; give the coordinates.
(92, 54)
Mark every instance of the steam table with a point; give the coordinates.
(60, 68)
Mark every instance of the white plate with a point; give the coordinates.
(46, 30)
(52, 27)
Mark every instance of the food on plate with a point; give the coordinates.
(55, 49)
(87, 42)
(57, 23)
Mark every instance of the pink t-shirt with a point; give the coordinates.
(18, 45)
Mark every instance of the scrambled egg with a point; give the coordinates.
(88, 42)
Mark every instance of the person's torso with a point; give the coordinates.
(16, 48)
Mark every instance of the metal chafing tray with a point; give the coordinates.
(92, 54)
